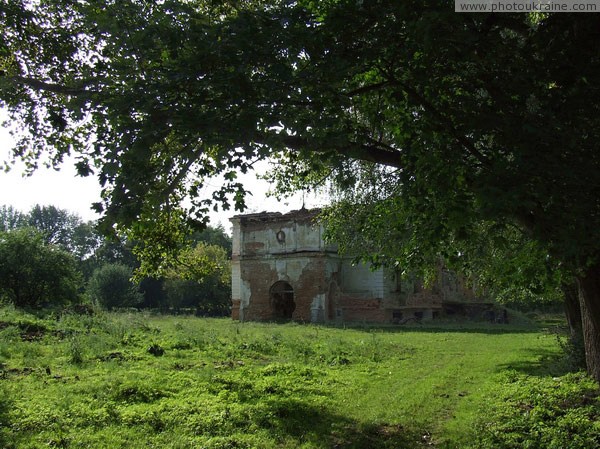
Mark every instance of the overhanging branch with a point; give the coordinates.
(364, 152)
(444, 121)
(61, 89)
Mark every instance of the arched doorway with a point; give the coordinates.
(282, 300)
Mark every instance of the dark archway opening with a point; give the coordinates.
(282, 300)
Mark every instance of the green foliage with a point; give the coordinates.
(574, 351)
(75, 351)
(512, 268)
(111, 287)
(35, 274)
(543, 413)
(451, 104)
(210, 296)
(154, 293)
(57, 227)
(5, 405)
(214, 236)
(203, 261)
(10, 218)
(111, 250)
(157, 237)
(372, 224)
(201, 279)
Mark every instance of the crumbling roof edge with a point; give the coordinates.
(278, 216)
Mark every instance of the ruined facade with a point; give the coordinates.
(283, 270)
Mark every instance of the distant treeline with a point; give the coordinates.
(50, 257)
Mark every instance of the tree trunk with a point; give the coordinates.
(589, 298)
(572, 309)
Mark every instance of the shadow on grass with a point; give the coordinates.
(467, 328)
(473, 327)
(287, 418)
(541, 363)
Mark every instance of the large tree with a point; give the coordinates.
(65, 229)
(483, 117)
(10, 218)
(57, 227)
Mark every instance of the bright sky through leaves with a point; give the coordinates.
(65, 190)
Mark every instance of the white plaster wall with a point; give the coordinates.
(299, 236)
(235, 237)
(290, 242)
(308, 237)
(391, 282)
(248, 238)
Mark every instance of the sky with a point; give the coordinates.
(64, 189)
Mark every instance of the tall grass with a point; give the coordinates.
(100, 381)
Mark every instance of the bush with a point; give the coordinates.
(574, 352)
(35, 274)
(111, 287)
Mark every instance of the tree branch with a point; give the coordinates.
(447, 124)
(50, 87)
(369, 153)
(368, 88)
(183, 172)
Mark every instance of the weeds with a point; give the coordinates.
(75, 350)
(573, 350)
(108, 380)
(541, 413)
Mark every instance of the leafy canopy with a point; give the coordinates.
(478, 116)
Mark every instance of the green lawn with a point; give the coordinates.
(141, 381)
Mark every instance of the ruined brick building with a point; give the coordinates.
(283, 270)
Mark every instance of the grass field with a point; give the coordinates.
(141, 381)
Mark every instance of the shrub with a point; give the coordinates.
(574, 352)
(111, 287)
(35, 274)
